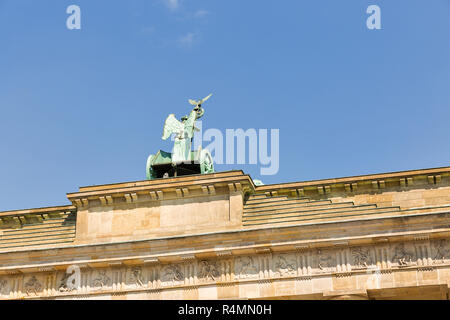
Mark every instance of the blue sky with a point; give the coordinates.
(84, 107)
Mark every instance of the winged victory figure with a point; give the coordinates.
(184, 131)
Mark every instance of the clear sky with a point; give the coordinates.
(84, 107)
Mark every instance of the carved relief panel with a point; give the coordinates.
(4, 287)
(135, 278)
(66, 282)
(440, 250)
(403, 254)
(246, 267)
(172, 274)
(285, 265)
(325, 261)
(209, 270)
(102, 279)
(32, 285)
(362, 257)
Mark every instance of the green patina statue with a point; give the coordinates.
(182, 160)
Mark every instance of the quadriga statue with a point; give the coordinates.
(182, 160)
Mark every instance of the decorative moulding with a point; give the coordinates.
(155, 189)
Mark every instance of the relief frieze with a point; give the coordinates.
(404, 255)
(136, 278)
(285, 265)
(209, 270)
(64, 285)
(325, 260)
(4, 287)
(32, 286)
(247, 267)
(172, 274)
(102, 280)
(362, 257)
(441, 250)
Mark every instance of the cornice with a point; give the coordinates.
(163, 189)
(403, 179)
(45, 210)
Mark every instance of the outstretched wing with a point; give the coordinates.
(205, 98)
(171, 125)
(193, 102)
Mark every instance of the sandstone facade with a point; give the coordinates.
(218, 236)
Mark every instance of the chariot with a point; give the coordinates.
(182, 161)
(160, 165)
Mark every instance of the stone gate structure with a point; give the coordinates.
(218, 236)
